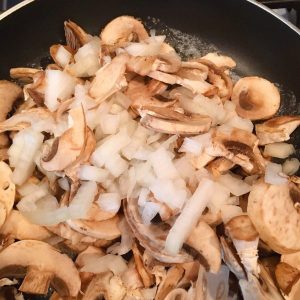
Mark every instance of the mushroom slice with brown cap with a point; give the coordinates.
(18, 227)
(277, 129)
(171, 126)
(151, 237)
(9, 94)
(221, 61)
(255, 98)
(174, 275)
(239, 146)
(245, 239)
(23, 73)
(220, 166)
(7, 192)
(121, 30)
(109, 79)
(68, 147)
(287, 277)
(75, 35)
(141, 65)
(205, 242)
(107, 229)
(273, 211)
(41, 265)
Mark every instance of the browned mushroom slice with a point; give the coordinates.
(107, 229)
(109, 79)
(193, 70)
(186, 127)
(205, 242)
(69, 146)
(221, 61)
(255, 98)
(118, 32)
(23, 73)
(173, 277)
(151, 237)
(168, 60)
(220, 166)
(41, 265)
(141, 65)
(7, 192)
(75, 35)
(277, 129)
(219, 79)
(273, 211)
(240, 147)
(9, 94)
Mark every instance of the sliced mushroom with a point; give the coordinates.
(174, 275)
(177, 294)
(277, 129)
(141, 65)
(109, 79)
(221, 61)
(7, 192)
(255, 98)
(273, 211)
(220, 166)
(18, 227)
(68, 147)
(23, 73)
(245, 239)
(205, 242)
(151, 237)
(9, 94)
(118, 32)
(41, 265)
(175, 127)
(75, 35)
(107, 229)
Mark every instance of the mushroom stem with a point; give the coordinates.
(36, 281)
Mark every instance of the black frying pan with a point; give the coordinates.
(261, 43)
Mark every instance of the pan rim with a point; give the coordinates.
(254, 2)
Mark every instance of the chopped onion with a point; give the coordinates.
(27, 188)
(236, 186)
(149, 211)
(63, 56)
(273, 174)
(109, 262)
(279, 150)
(24, 163)
(64, 183)
(189, 216)
(116, 165)
(150, 47)
(291, 166)
(92, 173)
(143, 196)
(83, 200)
(238, 122)
(196, 144)
(109, 202)
(220, 197)
(230, 211)
(60, 85)
(110, 123)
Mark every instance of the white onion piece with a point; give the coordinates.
(27, 188)
(230, 211)
(162, 164)
(236, 186)
(24, 163)
(60, 85)
(92, 173)
(149, 211)
(274, 175)
(291, 166)
(143, 196)
(184, 167)
(63, 56)
(219, 198)
(196, 144)
(112, 145)
(48, 202)
(83, 200)
(189, 216)
(109, 202)
(238, 122)
(116, 165)
(109, 262)
(110, 123)
(279, 150)
(64, 183)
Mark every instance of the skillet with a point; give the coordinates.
(261, 43)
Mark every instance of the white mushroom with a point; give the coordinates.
(221, 61)
(277, 129)
(273, 211)
(255, 98)
(41, 265)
